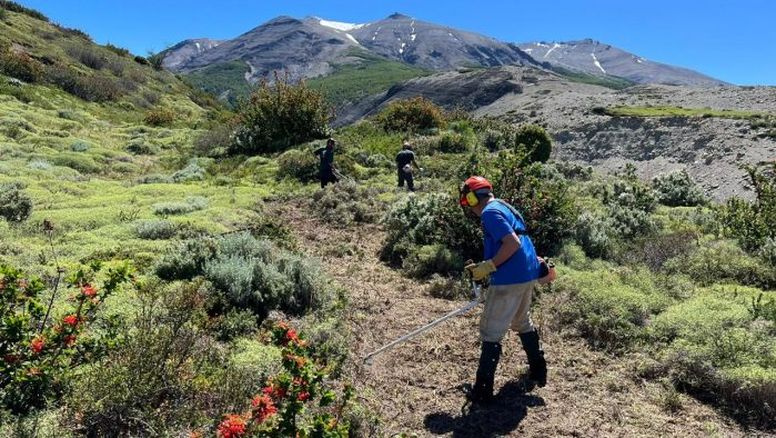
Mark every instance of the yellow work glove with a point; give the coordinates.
(481, 270)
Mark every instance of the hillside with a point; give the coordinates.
(169, 267)
(601, 59)
(677, 127)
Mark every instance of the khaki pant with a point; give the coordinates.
(506, 306)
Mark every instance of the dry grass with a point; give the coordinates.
(415, 388)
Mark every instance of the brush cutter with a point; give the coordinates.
(340, 175)
(472, 304)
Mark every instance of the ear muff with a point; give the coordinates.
(471, 199)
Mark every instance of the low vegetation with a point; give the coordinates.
(152, 284)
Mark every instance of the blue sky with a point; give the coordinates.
(731, 40)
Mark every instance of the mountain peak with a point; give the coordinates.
(398, 16)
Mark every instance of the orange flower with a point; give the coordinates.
(299, 360)
(70, 320)
(37, 344)
(233, 426)
(263, 408)
(88, 291)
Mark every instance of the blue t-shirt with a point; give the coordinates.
(498, 221)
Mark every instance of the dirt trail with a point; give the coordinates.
(414, 387)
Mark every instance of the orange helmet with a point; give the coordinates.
(471, 187)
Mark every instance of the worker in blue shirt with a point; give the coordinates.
(513, 268)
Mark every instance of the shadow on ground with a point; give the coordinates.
(499, 418)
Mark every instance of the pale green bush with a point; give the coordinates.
(15, 203)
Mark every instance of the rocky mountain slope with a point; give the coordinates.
(737, 127)
(436, 47)
(187, 50)
(312, 47)
(596, 58)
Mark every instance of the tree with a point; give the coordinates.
(279, 115)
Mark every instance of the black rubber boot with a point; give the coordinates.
(536, 363)
(482, 392)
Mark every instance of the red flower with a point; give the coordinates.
(37, 344)
(263, 408)
(70, 320)
(88, 291)
(274, 391)
(303, 396)
(10, 358)
(69, 340)
(233, 426)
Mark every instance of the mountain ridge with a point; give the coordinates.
(312, 46)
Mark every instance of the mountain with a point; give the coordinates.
(436, 47)
(312, 46)
(600, 59)
(187, 50)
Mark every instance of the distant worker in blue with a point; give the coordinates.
(405, 159)
(513, 268)
(327, 169)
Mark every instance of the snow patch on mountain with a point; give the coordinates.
(554, 46)
(597, 64)
(338, 25)
(350, 37)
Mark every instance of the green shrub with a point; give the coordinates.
(15, 203)
(677, 189)
(94, 88)
(141, 147)
(188, 260)
(411, 115)
(79, 162)
(534, 142)
(80, 146)
(655, 251)
(16, 7)
(716, 349)
(752, 223)
(609, 307)
(160, 116)
(155, 229)
(723, 261)
(629, 222)
(434, 220)
(595, 235)
(118, 50)
(542, 196)
(20, 65)
(252, 274)
(278, 116)
(192, 172)
(299, 164)
(346, 202)
(453, 142)
(87, 55)
(170, 370)
(192, 203)
(425, 260)
(214, 142)
(768, 252)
